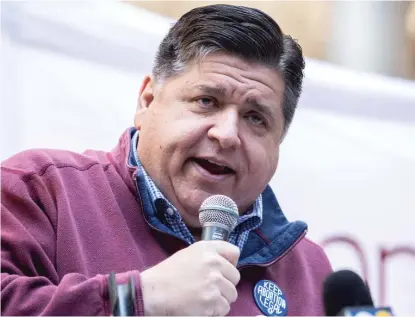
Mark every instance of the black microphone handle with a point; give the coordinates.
(125, 305)
(215, 232)
(122, 297)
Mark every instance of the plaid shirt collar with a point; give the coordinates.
(246, 223)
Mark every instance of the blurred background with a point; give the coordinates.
(71, 71)
(376, 36)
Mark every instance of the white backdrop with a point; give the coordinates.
(70, 74)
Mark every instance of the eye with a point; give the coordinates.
(207, 102)
(255, 119)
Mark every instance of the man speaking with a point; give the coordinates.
(210, 120)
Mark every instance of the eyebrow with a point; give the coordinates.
(220, 91)
(216, 90)
(266, 110)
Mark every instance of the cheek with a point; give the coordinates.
(263, 162)
(188, 129)
(176, 132)
(153, 138)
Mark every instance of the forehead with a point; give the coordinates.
(227, 74)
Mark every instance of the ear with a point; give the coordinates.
(145, 98)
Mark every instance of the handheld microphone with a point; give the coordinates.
(346, 294)
(218, 216)
(122, 297)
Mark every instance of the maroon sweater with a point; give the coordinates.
(70, 219)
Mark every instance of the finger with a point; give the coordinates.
(228, 290)
(222, 307)
(229, 272)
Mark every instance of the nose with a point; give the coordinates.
(225, 129)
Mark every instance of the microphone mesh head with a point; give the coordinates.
(219, 209)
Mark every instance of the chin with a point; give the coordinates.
(191, 220)
(191, 202)
(191, 205)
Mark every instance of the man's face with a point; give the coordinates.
(214, 129)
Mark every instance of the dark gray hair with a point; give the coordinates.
(241, 31)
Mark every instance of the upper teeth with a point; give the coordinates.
(216, 163)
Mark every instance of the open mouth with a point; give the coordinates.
(212, 167)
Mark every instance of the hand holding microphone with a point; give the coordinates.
(200, 279)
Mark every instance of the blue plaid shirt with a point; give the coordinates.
(246, 223)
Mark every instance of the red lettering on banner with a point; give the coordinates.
(355, 246)
(384, 254)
